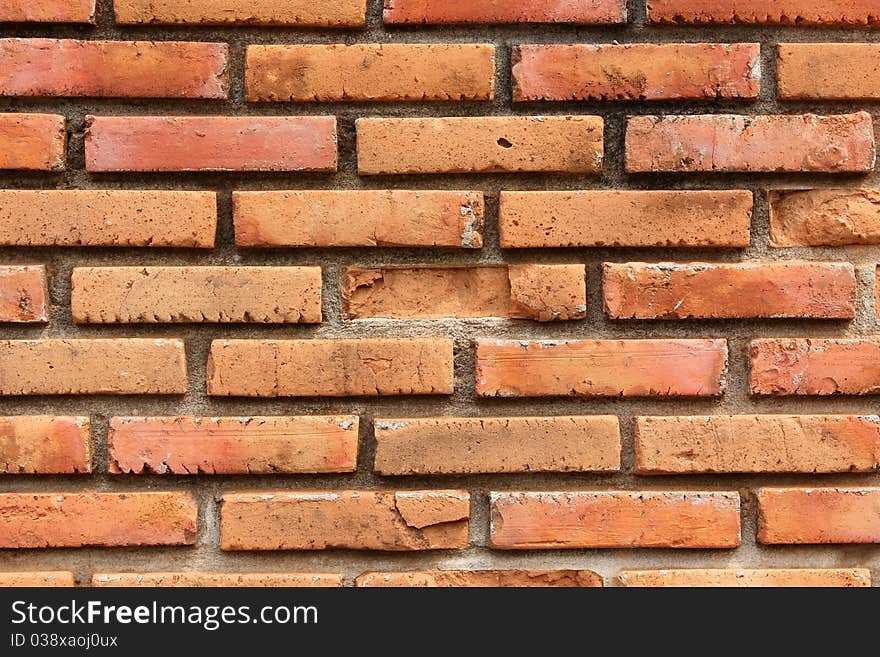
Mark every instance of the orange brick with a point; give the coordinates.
(824, 217)
(842, 143)
(798, 516)
(45, 444)
(113, 69)
(210, 143)
(357, 520)
(601, 368)
(300, 13)
(669, 290)
(639, 71)
(471, 445)
(370, 72)
(202, 580)
(233, 445)
(90, 367)
(481, 579)
(47, 11)
(772, 12)
(757, 443)
(358, 218)
(604, 519)
(741, 577)
(540, 292)
(23, 294)
(52, 520)
(41, 579)
(829, 71)
(509, 11)
(561, 144)
(32, 142)
(625, 218)
(330, 368)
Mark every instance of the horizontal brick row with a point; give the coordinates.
(48, 11)
(748, 577)
(299, 13)
(771, 12)
(202, 579)
(23, 294)
(33, 142)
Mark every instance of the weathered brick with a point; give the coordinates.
(357, 520)
(601, 368)
(111, 295)
(797, 516)
(89, 367)
(805, 366)
(47, 11)
(613, 519)
(32, 142)
(540, 292)
(41, 579)
(113, 69)
(197, 579)
(358, 218)
(638, 71)
(481, 579)
(561, 144)
(828, 71)
(757, 443)
(23, 294)
(299, 13)
(330, 368)
(820, 13)
(44, 520)
(669, 290)
(45, 444)
(824, 217)
(625, 218)
(370, 72)
(842, 143)
(509, 11)
(742, 577)
(233, 445)
(210, 143)
(469, 445)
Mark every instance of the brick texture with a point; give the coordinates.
(40, 579)
(821, 13)
(829, 70)
(45, 444)
(824, 217)
(189, 579)
(794, 516)
(482, 579)
(297, 13)
(48, 11)
(510, 11)
(735, 577)
(32, 142)
(23, 294)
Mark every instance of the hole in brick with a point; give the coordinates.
(504, 143)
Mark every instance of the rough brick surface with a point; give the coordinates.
(829, 71)
(32, 142)
(794, 516)
(822, 13)
(48, 11)
(743, 577)
(45, 444)
(357, 520)
(40, 579)
(298, 13)
(23, 294)
(193, 579)
(481, 579)
(505, 11)
(447, 445)
(824, 217)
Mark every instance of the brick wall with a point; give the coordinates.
(440, 293)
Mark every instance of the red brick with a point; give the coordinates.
(32, 142)
(829, 71)
(52, 520)
(233, 445)
(45, 444)
(370, 72)
(210, 143)
(487, 144)
(202, 580)
(23, 294)
(798, 516)
(601, 368)
(508, 11)
(732, 143)
(41, 579)
(741, 577)
(481, 579)
(823, 13)
(358, 218)
(757, 443)
(47, 11)
(668, 290)
(539, 292)
(356, 520)
(470, 445)
(824, 217)
(625, 218)
(89, 367)
(330, 368)
(613, 519)
(113, 69)
(805, 366)
(299, 13)
(639, 71)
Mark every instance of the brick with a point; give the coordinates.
(356, 520)
(111, 295)
(742, 577)
(45, 444)
(822, 13)
(296, 13)
(828, 71)
(67, 520)
(474, 445)
(85, 217)
(549, 144)
(669, 290)
(803, 516)
(603, 519)
(113, 69)
(330, 368)
(539, 292)
(814, 366)
(41, 579)
(47, 11)
(841, 143)
(510, 11)
(210, 143)
(127, 366)
(202, 580)
(32, 142)
(601, 368)
(640, 71)
(757, 443)
(591, 218)
(824, 217)
(233, 445)
(481, 579)
(23, 294)
(336, 218)
(370, 72)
